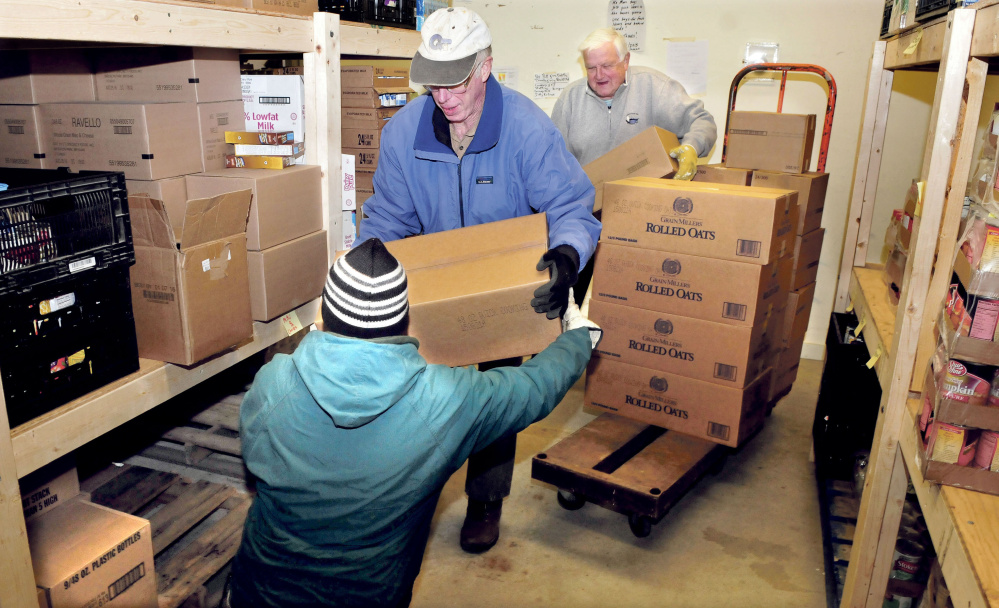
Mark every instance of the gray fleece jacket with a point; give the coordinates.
(647, 98)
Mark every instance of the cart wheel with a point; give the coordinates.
(641, 525)
(569, 501)
(718, 465)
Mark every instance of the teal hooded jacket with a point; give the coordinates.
(351, 442)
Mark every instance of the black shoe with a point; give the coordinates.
(481, 528)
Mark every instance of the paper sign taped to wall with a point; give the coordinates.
(687, 63)
(550, 84)
(628, 17)
(507, 76)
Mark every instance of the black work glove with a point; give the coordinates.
(553, 297)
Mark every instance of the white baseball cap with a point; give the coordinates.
(451, 39)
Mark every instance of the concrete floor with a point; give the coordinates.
(748, 537)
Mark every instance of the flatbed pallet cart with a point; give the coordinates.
(642, 470)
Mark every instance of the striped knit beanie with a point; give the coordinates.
(366, 294)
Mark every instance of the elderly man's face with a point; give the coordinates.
(465, 100)
(604, 71)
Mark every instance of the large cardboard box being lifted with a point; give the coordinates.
(190, 292)
(470, 291)
(644, 155)
(693, 407)
(770, 141)
(738, 223)
(89, 555)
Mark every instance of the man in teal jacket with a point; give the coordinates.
(352, 438)
(471, 152)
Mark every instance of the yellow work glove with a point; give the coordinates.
(686, 157)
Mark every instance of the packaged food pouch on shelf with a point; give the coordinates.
(987, 453)
(981, 182)
(951, 443)
(977, 263)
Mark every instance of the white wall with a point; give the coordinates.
(535, 36)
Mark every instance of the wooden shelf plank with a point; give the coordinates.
(963, 524)
(928, 50)
(377, 41)
(869, 295)
(986, 40)
(138, 22)
(66, 428)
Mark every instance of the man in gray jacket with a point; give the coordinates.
(614, 103)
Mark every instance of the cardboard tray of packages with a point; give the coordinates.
(957, 412)
(190, 290)
(970, 478)
(644, 155)
(470, 291)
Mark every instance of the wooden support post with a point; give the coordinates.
(865, 174)
(324, 65)
(911, 312)
(947, 240)
(18, 578)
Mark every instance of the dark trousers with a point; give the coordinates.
(490, 470)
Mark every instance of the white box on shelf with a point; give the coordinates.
(275, 103)
(349, 182)
(349, 230)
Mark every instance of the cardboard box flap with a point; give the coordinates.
(472, 243)
(150, 223)
(210, 219)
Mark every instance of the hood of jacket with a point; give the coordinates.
(354, 380)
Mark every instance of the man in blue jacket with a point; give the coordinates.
(352, 438)
(472, 152)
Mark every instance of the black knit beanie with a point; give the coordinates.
(366, 293)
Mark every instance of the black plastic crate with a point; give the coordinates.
(64, 339)
(928, 9)
(396, 13)
(849, 398)
(54, 224)
(886, 19)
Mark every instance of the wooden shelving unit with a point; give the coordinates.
(963, 525)
(321, 40)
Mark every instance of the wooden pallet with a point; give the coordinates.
(208, 441)
(196, 525)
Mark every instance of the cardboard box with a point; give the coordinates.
(48, 487)
(304, 8)
(143, 141)
(807, 249)
(733, 293)
(713, 352)
(799, 308)
(167, 74)
(366, 118)
(214, 119)
(811, 188)
(737, 223)
(190, 293)
(374, 75)
(363, 158)
(710, 411)
(720, 174)
(967, 477)
(783, 381)
(22, 141)
(274, 103)
(770, 141)
(239, 3)
(286, 204)
(368, 138)
(172, 191)
(644, 155)
(45, 76)
(953, 411)
(286, 276)
(365, 180)
(89, 555)
(375, 97)
(470, 291)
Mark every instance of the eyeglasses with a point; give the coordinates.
(590, 69)
(456, 89)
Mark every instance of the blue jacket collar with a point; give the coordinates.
(434, 134)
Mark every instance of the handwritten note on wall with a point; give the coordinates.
(628, 17)
(550, 84)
